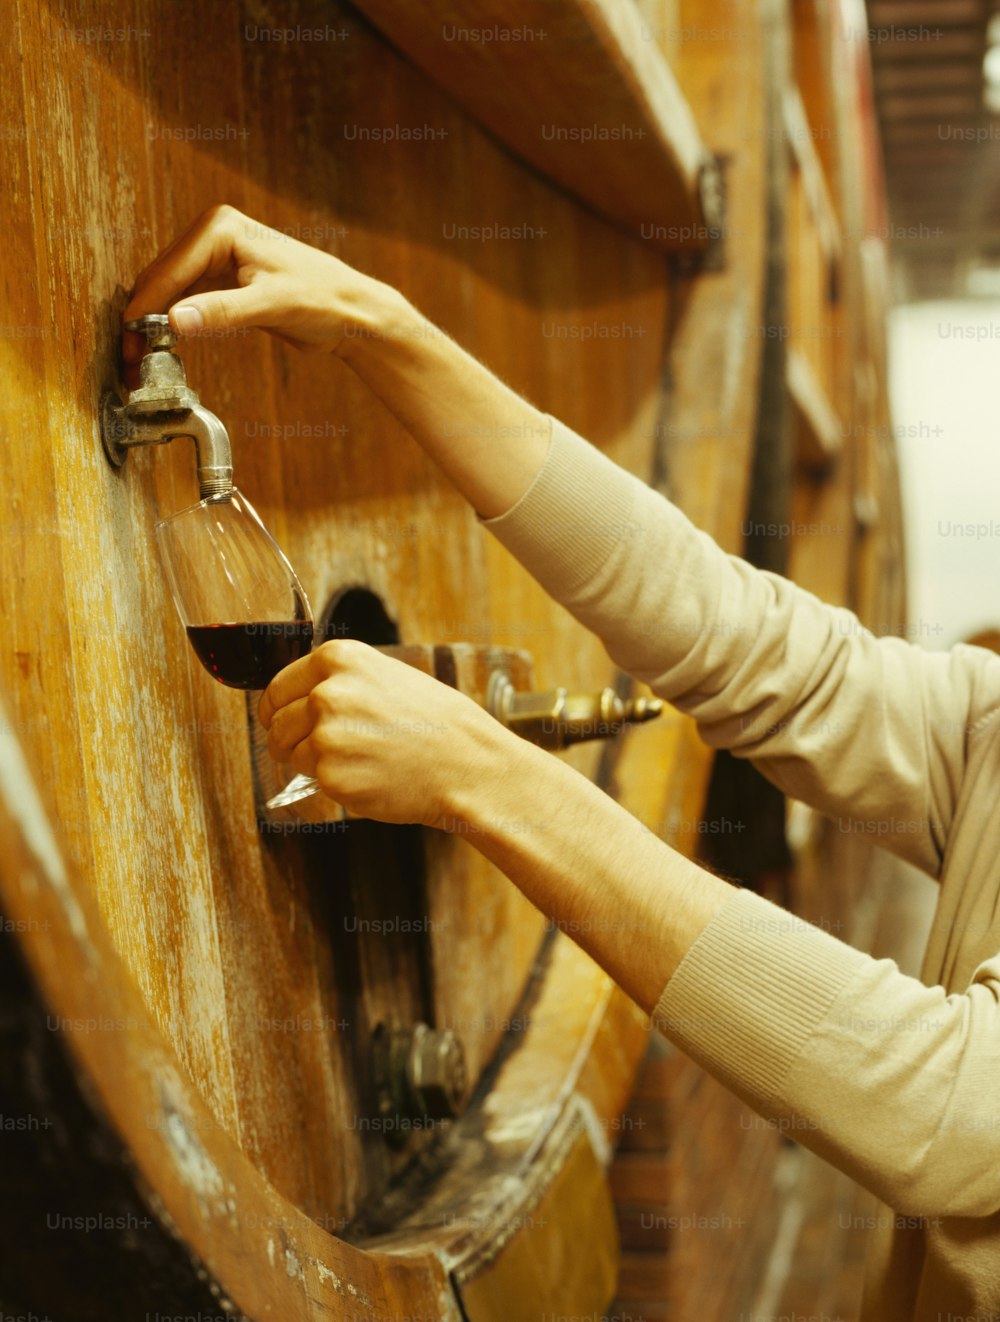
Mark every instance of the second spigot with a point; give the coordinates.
(558, 718)
(163, 408)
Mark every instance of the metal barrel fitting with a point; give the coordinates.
(419, 1074)
(557, 718)
(164, 407)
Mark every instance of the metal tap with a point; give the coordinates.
(557, 718)
(163, 408)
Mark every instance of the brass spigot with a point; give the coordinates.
(163, 408)
(557, 718)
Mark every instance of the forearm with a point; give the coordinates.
(879, 1074)
(487, 439)
(628, 899)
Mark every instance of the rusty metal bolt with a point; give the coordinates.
(436, 1071)
(419, 1074)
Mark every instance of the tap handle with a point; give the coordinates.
(156, 328)
(163, 386)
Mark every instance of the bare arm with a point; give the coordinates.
(487, 439)
(633, 903)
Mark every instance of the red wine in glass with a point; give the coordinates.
(248, 656)
(244, 609)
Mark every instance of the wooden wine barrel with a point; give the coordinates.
(194, 997)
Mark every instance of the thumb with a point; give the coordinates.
(217, 312)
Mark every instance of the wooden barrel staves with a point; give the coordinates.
(205, 1008)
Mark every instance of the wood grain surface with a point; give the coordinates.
(264, 961)
(580, 91)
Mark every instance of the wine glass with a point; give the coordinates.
(244, 609)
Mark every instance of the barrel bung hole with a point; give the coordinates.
(357, 613)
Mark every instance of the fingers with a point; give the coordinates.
(303, 758)
(207, 248)
(228, 273)
(300, 678)
(291, 724)
(277, 695)
(221, 310)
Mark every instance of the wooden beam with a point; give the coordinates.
(806, 158)
(933, 74)
(958, 42)
(818, 430)
(929, 133)
(943, 105)
(579, 91)
(926, 13)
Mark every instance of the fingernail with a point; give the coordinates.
(187, 320)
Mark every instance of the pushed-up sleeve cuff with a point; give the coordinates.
(751, 991)
(577, 509)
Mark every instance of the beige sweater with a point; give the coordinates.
(894, 1080)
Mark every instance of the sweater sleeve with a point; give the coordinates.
(894, 1082)
(871, 731)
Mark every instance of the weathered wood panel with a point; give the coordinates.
(579, 91)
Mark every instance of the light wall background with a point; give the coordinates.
(945, 390)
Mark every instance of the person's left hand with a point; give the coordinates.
(382, 738)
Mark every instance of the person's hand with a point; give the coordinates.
(228, 273)
(385, 740)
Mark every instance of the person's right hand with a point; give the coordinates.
(228, 273)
